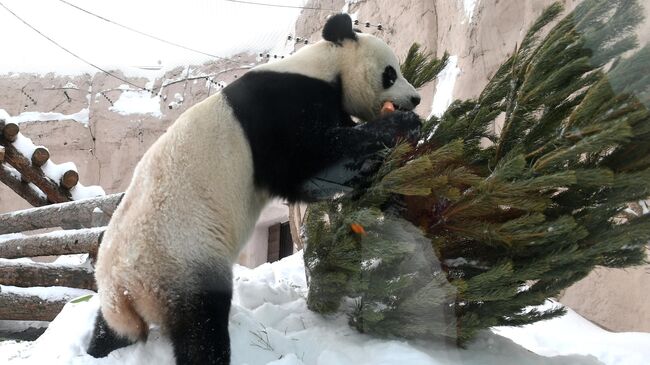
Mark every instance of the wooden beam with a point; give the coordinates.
(22, 189)
(10, 131)
(70, 179)
(37, 274)
(52, 244)
(17, 307)
(76, 214)
(40, 156)
(54, 192)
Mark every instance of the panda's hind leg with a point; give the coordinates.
(117, 325)
(104, 339)
(198, 322)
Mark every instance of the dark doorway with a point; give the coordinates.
(280, 242)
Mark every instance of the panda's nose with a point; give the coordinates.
(415, 100)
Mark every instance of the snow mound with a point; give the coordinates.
(270, 324)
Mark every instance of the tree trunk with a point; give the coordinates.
(295, 222)
(28, 307)
(22, 189)
(77, 214)
(36, 274)
(52, 244)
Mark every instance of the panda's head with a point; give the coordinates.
(368, 69)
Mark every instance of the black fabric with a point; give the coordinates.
(338, 28)
(104, 339)
(198, 326)
(297, 128)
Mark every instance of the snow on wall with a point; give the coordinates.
(137, 102)
(81, 116)
(469, 6)
(445, 82)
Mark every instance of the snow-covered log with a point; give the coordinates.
(18, 307)
(40, 156)
(37, 274)
(52, 244)
(10, 131)
(76, 214)
(54, 193)
(22, 189)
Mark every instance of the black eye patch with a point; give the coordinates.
(388, 77)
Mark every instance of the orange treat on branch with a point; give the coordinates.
(358, 229)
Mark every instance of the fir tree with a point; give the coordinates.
(451, 237)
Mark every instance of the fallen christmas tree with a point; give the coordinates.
(457, 234)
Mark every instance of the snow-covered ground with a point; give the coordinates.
(270, 324)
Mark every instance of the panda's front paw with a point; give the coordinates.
(394, 126)
(409, 124)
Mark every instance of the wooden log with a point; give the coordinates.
(77, 214)
(17, 307)
(69, 179)
(54, 192)
(10, 131)
(22, 189)
(40, 156)
(52, 244)
(2, 153)
(37, 274)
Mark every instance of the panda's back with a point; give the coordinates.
(191, 199)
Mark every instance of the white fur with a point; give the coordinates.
(189, 204)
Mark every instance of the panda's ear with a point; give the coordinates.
(339, 28)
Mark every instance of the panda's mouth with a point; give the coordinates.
(389, 106)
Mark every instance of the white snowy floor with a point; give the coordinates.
(270, 324)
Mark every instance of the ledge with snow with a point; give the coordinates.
(270, 324)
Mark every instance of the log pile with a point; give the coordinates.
(87, 218)
(27, 170)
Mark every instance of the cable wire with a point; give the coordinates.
(280, 6)
(145, 34)
(70, 52)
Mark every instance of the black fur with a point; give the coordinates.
(297, 128)
(199, 324)
(338, 28)
(104, 339)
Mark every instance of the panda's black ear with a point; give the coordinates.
(339, 28)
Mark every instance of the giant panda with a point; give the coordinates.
(165, 259)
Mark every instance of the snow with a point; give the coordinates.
(80, 191)
(270, 324)
(217, 27)
(81, 116)
(10, 236)
(444, 94)
(469, 6)
(47, 293)
(556, 337)
(137, 102)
